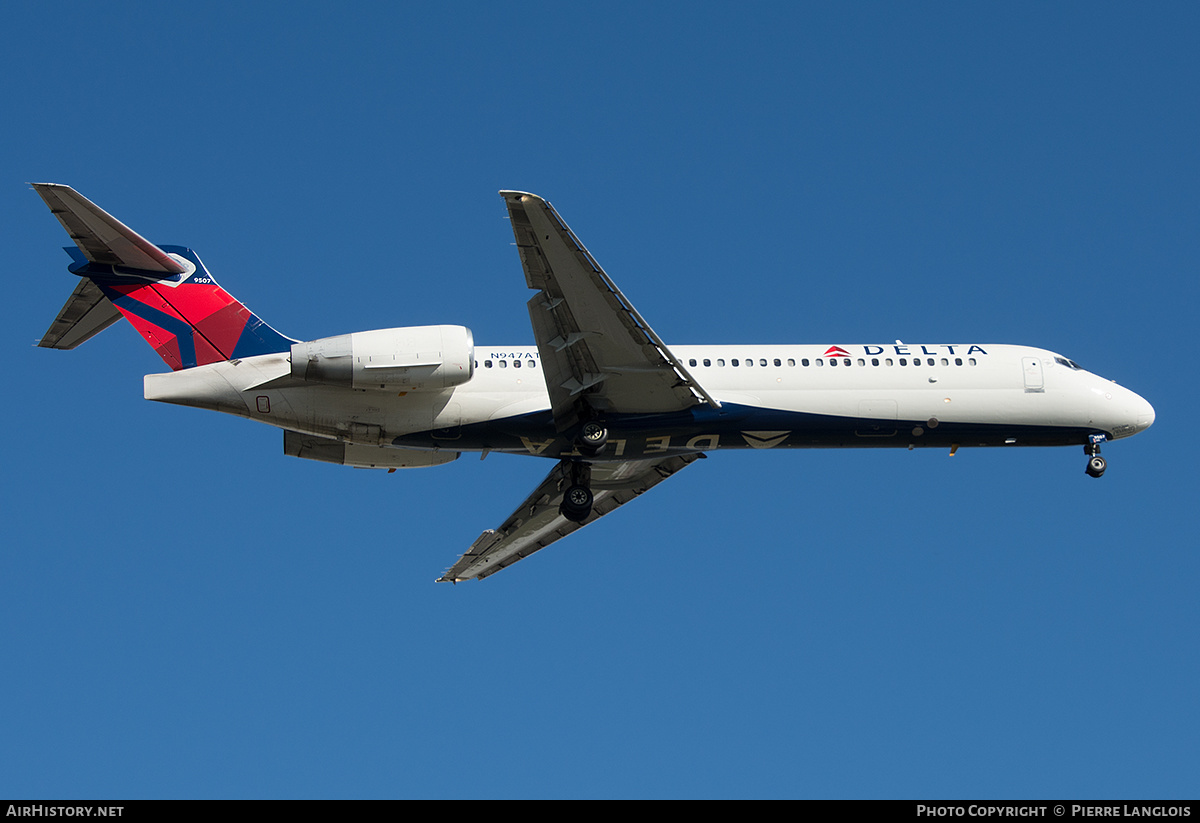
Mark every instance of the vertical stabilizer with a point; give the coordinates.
(165, 292)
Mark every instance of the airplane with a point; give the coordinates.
(600, 393)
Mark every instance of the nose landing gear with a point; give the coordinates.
(1096, 464)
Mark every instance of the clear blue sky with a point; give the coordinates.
(186, 612)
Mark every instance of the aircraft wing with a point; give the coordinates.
(596, 350)
(101, 237)
(537, 523)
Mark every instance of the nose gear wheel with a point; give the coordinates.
(1096, 464)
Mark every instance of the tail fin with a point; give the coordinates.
(165, 292)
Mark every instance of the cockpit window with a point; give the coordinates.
(1070, 364)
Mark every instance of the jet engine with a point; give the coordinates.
(412, 358)
(327, 450)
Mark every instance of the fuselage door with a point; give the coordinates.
(1032, 367)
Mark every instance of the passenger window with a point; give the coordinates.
(958, 361)
(930, 361)
(832, 361)
(487, 364)
(749, 362)
(945, 362)
(503, 364)
(903, 361)
(971, 361)
(792, 362)
(777, 362)
(533, 364)
(692, 362)
(820, 362)
(707, 362)
(874, 361)
(862, 362)
(720, 361)
(804, 362)
(733, 362)
(516, 364)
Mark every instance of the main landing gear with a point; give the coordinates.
(593, 436)
(577, 499)
(1096, 464)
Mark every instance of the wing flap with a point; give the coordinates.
(537, 523)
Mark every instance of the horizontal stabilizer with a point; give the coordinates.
(102, 238)
(86, 313)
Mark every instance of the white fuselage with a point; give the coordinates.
(899, 395)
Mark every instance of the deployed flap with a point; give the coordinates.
(537, 523)
(595, 347)
(86, 313)
(101, 237)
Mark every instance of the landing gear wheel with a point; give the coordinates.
(576, 504)
(1096, 464)
(592, 437)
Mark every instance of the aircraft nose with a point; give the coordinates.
(1120, 411)
(1145, 414)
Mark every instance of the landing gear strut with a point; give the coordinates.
(1096, 464)
(577, 499)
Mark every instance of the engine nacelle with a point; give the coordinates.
(405, 359)
(311, 447)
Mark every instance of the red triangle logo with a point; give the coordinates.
(836, 351)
